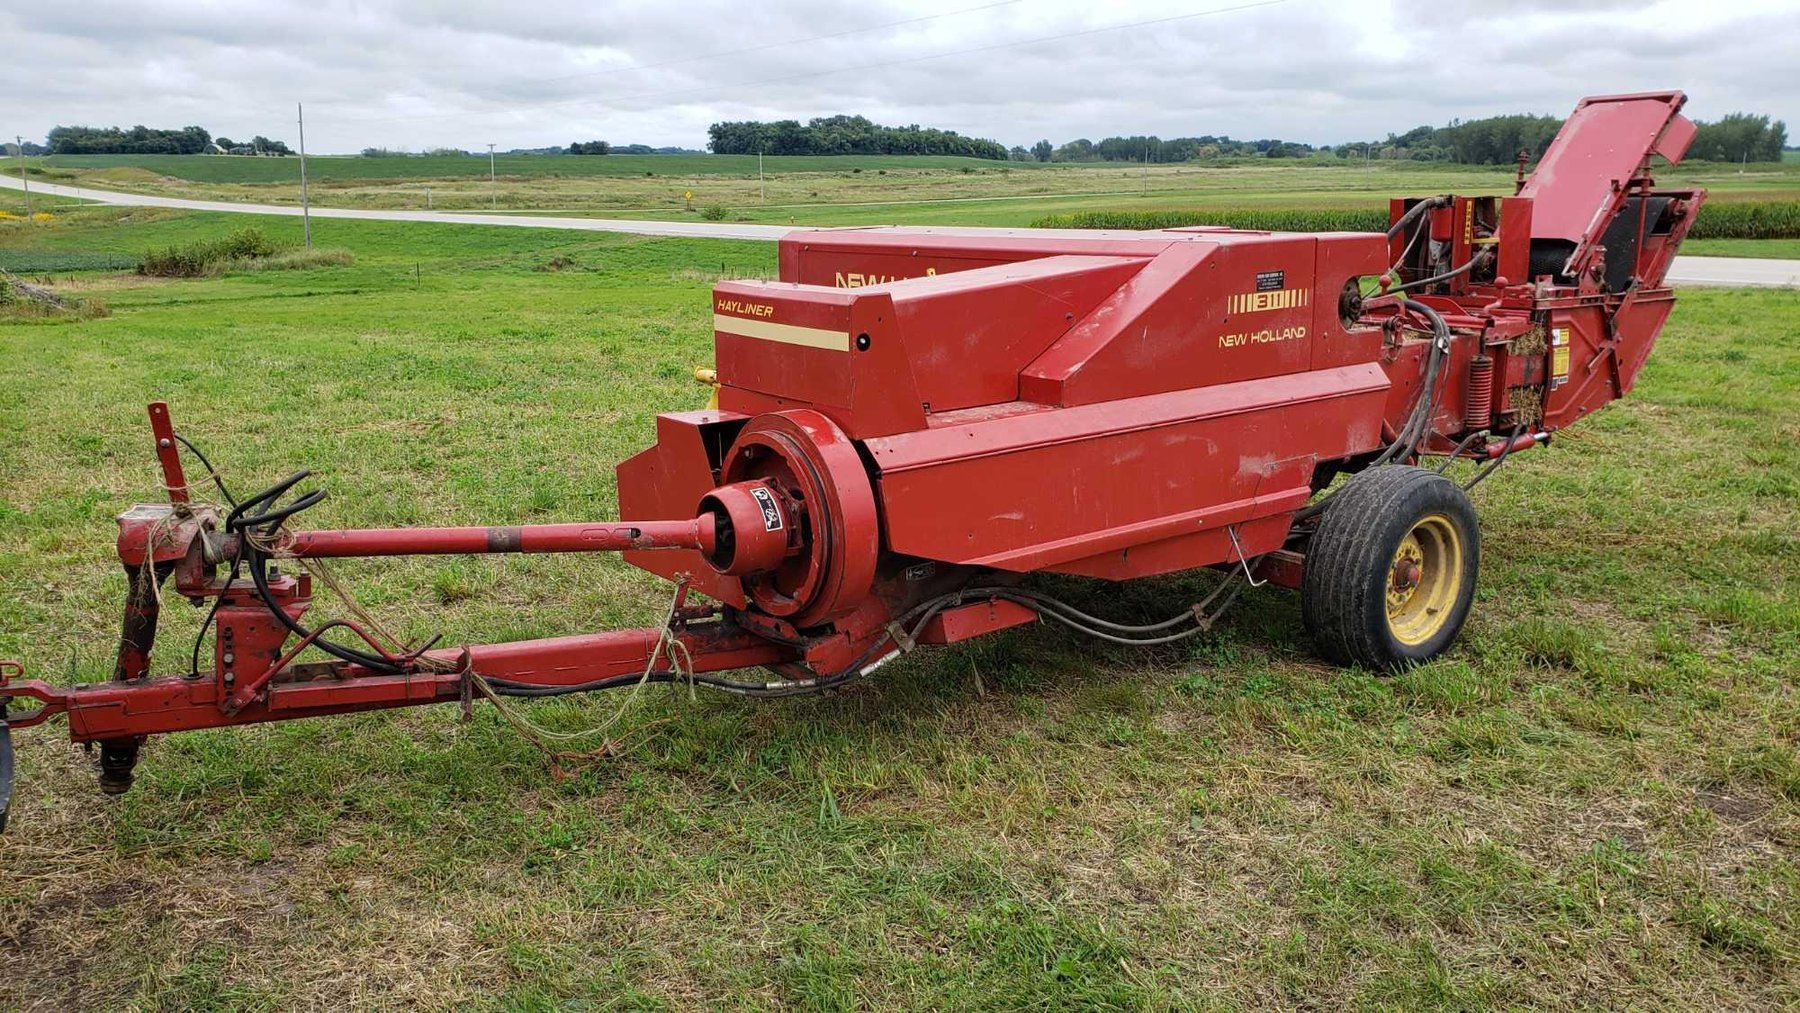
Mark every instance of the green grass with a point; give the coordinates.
(1777, 220)
(838, 190)
(327, 168)
(1592, 801)
(46, 262)
(1779, 248)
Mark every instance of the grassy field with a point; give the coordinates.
(1788, 249)
(826, 191)
(1593, 800)
(331, 168)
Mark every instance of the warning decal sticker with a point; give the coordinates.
(771, 513)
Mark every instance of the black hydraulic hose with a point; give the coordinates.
(1414, 212)
(924, 612)
(1460, 447)
(917, 618)
(1418, 421)
(211, 471)
(1044, 601)
(503, 687)
(1518, 431)
(213, 613)
(258, 560)
(269, 520)
(233, 520)
(1411, 244)
(1446, 276)
(1406, 442)
(1073, 624)
(260, 577)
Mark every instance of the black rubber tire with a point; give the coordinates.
(1343, 590)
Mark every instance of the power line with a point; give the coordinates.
(858, 68)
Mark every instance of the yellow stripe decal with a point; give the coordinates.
(811, 337)
(1278, 299)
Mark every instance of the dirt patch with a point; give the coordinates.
(1734, 808)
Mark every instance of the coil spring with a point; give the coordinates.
(1479, 412)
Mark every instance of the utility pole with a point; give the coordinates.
(493, 183)
(19, 153)
(760, 187)
(305, 203)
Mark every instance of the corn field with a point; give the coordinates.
(1725, 220)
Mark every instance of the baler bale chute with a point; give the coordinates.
(913, 421)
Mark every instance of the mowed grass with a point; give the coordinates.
(329, 168)
(847, 190)
(1594, 799)
(1786, 249)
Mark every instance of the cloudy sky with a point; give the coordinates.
(415, 74)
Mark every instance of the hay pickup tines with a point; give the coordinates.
(911, 422)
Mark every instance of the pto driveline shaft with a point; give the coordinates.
(697, 533)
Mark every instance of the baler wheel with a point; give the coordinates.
(1390, 572)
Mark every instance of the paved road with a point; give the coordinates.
(699, 230)
(1730, 271)
(1734, 271)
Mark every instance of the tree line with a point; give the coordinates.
(844, 135)
(1494, 140)
(1158, 150)
(577, 148)
(1497, 140)
(142, 140)
(139, 140)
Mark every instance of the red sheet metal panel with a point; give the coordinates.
(1203, 312)
(1514, 236)
(668, 480)
(965, 622)
(878, 358)
(969, 334)
(787, 340)
(1600, 148)
(1036, 490)
(1343, 258)
(1592, 364)
(854, 258)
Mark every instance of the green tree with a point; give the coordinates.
(844, 135)
(1740, 137)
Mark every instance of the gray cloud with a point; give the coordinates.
(419, 74)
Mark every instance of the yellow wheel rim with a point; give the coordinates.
(1424, 580)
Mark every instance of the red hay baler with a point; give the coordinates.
(914, 420)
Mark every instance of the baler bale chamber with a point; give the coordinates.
(913, 421)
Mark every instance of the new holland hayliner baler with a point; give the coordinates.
(913, 421)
